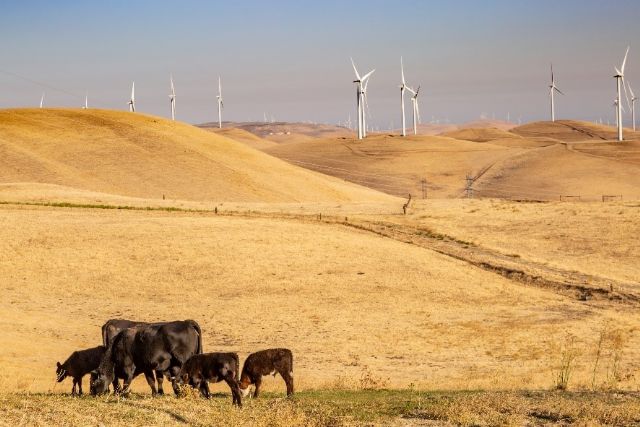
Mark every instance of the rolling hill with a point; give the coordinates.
(143, 156)
(541, 161)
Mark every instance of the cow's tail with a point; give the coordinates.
(105, 328)
(196, 326)
(237, 366)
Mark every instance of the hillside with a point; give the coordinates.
(284, 132)
(537, 161)
(571, 131)
(481, 134)
(398, 165)
(143, 156)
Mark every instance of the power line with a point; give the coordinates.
(45, 85)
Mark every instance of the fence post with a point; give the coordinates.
(469, 186)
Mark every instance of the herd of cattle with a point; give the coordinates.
(171, 349)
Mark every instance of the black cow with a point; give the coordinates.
(112, 327)
(159, 347)
(79, 364)
(201, 369)
(267, 362)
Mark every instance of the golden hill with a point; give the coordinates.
(143, 156)
(510, 166)
(243, 136)
(571, 131)
(481, 134)
(397, 165)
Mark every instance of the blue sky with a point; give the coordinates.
(290, 59)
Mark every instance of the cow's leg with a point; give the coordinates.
(73, 389)
(126, 383)
(257, 381)
(80, 386)
(235, 389)
(204, 389)
(160, 380)
(288, 380)
(116, 385)
(148, 375)
(173, 374)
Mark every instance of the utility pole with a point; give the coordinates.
(469, 186)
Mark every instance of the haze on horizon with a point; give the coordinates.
(291, 59)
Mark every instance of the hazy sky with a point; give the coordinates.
(290, 59)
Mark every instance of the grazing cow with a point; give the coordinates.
(266, 362)
(159, 347)
(112, 327)
(201, 369)
(79, 364)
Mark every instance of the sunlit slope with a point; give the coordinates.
(150, 157)
(571, 131)
(398, 165)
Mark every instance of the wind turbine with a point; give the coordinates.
(620, 83)
(42, 100)
(86, 100)
(403, 87)
(172, 98)
(633, 107)
(416, 108)
(132, 101)
(552, 89)
(220, 103)
(360, 98)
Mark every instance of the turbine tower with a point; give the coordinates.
(618, 112)
(552, 89)
(360, 98)
(172, 98)
(620, 84)
(42, 100)
(633, 107)
(132, 101)
(416, 108)
(220, 103)
(86, 100)
(403, 87)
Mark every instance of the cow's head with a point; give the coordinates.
(61, 372)
(99, 382)
(244, 384)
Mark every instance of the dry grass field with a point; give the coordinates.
(496, 302)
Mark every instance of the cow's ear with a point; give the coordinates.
(58, 364)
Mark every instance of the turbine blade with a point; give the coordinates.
(558, 90)
(402, 70)
(355, 69)
(624, 61)
(366, 76)
(552, 79)
(410, 90)
(631, 91)
(626, 95)
(366, 104)
(219, 87)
